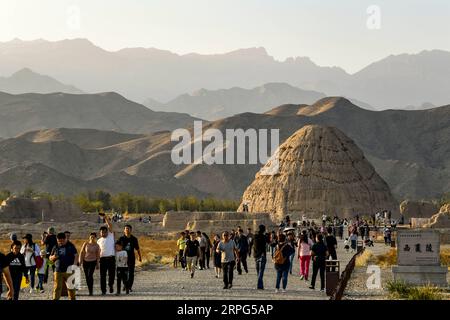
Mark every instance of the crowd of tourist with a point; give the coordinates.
(115, 259)
(304, 242)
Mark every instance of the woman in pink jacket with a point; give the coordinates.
(304, 254)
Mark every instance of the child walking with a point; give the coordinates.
(122, 268)
(41, 271)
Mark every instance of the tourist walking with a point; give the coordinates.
(130, 244)
(90, 260)
(191, 253)
(17, 267)
(318, 254)
(31, 252)
(217, 256)
(292, 242)
(107, 256)
(181, 245)
(202, 241)
(229, 254)
(250, 241)
(281, 260)
(6, 275)
(353, 240)
(63, 255)
(260, 254)
(304, 254)
(122, 267)
(207, 250)
(273, 242)
(331, 243)
(49, 242)
(242, 248)
(41, 271)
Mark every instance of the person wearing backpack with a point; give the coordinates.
(319, 254)
(31, 252)
(281, 260)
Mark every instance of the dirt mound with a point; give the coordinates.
(320, 171)
(417, 209)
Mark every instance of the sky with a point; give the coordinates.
(347, 33)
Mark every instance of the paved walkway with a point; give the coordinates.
(165, 282)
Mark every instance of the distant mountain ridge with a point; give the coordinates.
(140, 73)
(103, 111)
(26, 81)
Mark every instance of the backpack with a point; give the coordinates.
(39, 261)
(278, 257)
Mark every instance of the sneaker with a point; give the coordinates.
(276, 290)
(283, 290)
(42, 291)
(225, 287)
(111, 290)
(117, 294)
(311, 287)
(322, 290)
(127, 292)
(230, 286)
(302, 277)
(31, 290)
(192, 275)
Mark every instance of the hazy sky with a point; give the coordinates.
(330, 32)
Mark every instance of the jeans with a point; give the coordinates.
(31, 271)
(228, 268)
(48, 266)
(282, 273)
(291, 262)
(89, 269)
(122, 277)
(181, 258)
(41, 277)
(202, 257)
(131, 268)
(107, 265)
(260, 267)
(243, 260)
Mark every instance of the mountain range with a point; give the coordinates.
(26, 81)
(104, 111)
(142, 73)
(409, 149)
(217, 104)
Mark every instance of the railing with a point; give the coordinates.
(345, 276)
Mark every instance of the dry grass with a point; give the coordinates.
(388, 259)
(153, 251)
(363, 259)
(400, 290)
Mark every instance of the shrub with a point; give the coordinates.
(363, 259)
(401, 290)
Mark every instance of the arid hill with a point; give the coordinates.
(408, 149)
(104, 111)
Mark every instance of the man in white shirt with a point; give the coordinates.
(107, 256)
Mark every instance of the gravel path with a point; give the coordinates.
(159, 282)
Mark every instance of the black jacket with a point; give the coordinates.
(259, 245)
